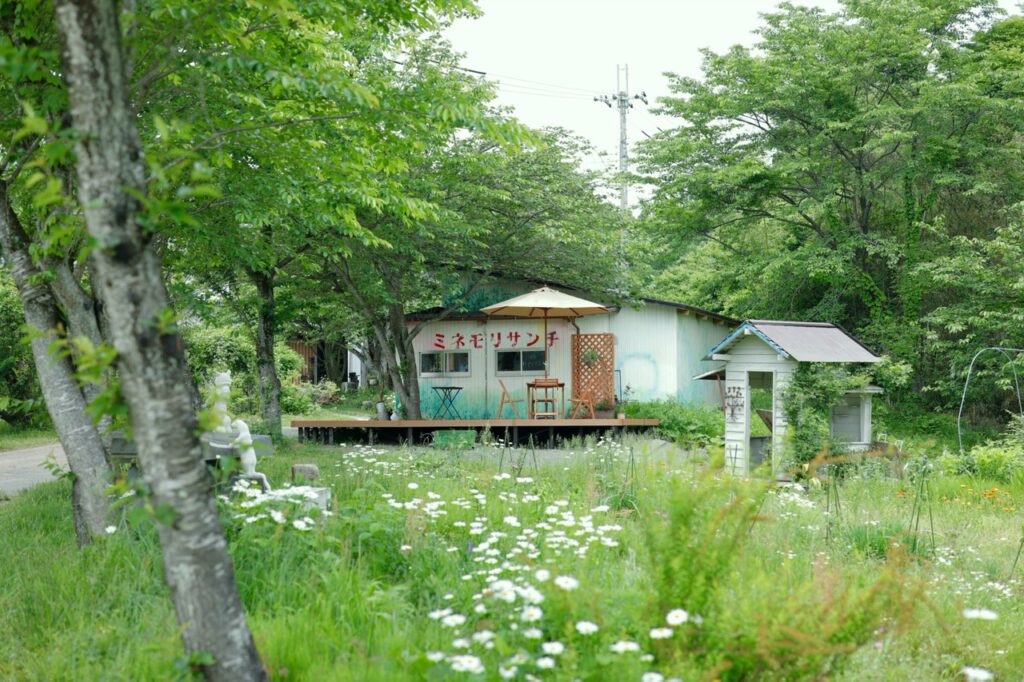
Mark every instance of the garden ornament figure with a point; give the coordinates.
(222, 391)
(248, 454)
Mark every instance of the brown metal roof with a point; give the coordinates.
(814, 341)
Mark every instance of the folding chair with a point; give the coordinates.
(582, 401)
(507, 399)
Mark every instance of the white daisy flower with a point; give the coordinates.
(677, 617)
(567, 582)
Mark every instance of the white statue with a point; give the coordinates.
(222, 391)
(248, 454)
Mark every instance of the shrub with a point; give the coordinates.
(808, 399)
(19, 389)
(212, 349)
(691, 424)
(874, 540)
(699, 560)
(1000, 460)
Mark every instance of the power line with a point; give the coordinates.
(524, 83)
(540, 93)
(550, 85)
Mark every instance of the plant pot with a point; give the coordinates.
(604, 414)
(622, 415)
(382, 413)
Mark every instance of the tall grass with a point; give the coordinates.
(352, 597)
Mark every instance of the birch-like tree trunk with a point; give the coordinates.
(80, 309)
(65, 402)
(150, 361)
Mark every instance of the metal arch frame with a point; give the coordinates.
(970, 370)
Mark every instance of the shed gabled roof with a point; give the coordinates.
(801, 341)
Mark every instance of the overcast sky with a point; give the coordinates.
(552, 57)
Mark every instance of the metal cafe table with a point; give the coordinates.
(447, 395)
(540, 398)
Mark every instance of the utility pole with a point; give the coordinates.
(624, 102)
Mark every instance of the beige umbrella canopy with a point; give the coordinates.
(545, 302)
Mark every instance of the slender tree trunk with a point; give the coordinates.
(270, 384)
(334, 361)
(65, 402)
(405, 364)
(82, 314)
(151, 361)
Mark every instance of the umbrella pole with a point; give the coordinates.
(545, 343)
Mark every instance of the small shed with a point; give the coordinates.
(758, 360)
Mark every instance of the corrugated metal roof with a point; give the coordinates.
(803, 341)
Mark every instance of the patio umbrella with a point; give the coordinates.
(545, 302)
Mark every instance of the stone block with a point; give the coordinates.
(307, 472)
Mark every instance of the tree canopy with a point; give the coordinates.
(851, 167)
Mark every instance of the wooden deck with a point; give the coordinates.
(420, 431)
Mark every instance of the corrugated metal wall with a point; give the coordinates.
(657, 352)
(698, 335)
(480, 390)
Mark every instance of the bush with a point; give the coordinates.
(20, 402)
(690, 424)
(999, 460)
(808, 401)
(212, 349)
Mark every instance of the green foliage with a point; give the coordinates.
(808, 399)
(1000, 460)
(350, 593)
(19, 388)
(875, 541)
(859, 166)
(705, 537)
(689, 424)
(211, 349)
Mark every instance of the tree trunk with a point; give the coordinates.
(150, 361)
(270, 384)
(64, 399)
(334, 361)
(82, 314)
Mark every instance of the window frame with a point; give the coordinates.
(444, 363)
(517, 372)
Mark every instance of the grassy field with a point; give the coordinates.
(12, 439)
(603, 562)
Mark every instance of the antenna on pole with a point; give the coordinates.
(624, 102)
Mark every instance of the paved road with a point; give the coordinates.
(21, 468)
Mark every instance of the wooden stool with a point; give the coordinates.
(507, 399)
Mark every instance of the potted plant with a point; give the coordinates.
(603, 409)
(589, 357)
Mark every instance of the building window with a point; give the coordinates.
(442, 362)
(458, 362)
(520, 361)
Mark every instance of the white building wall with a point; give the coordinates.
(751, 354)
(646, 350)
(482, 339)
